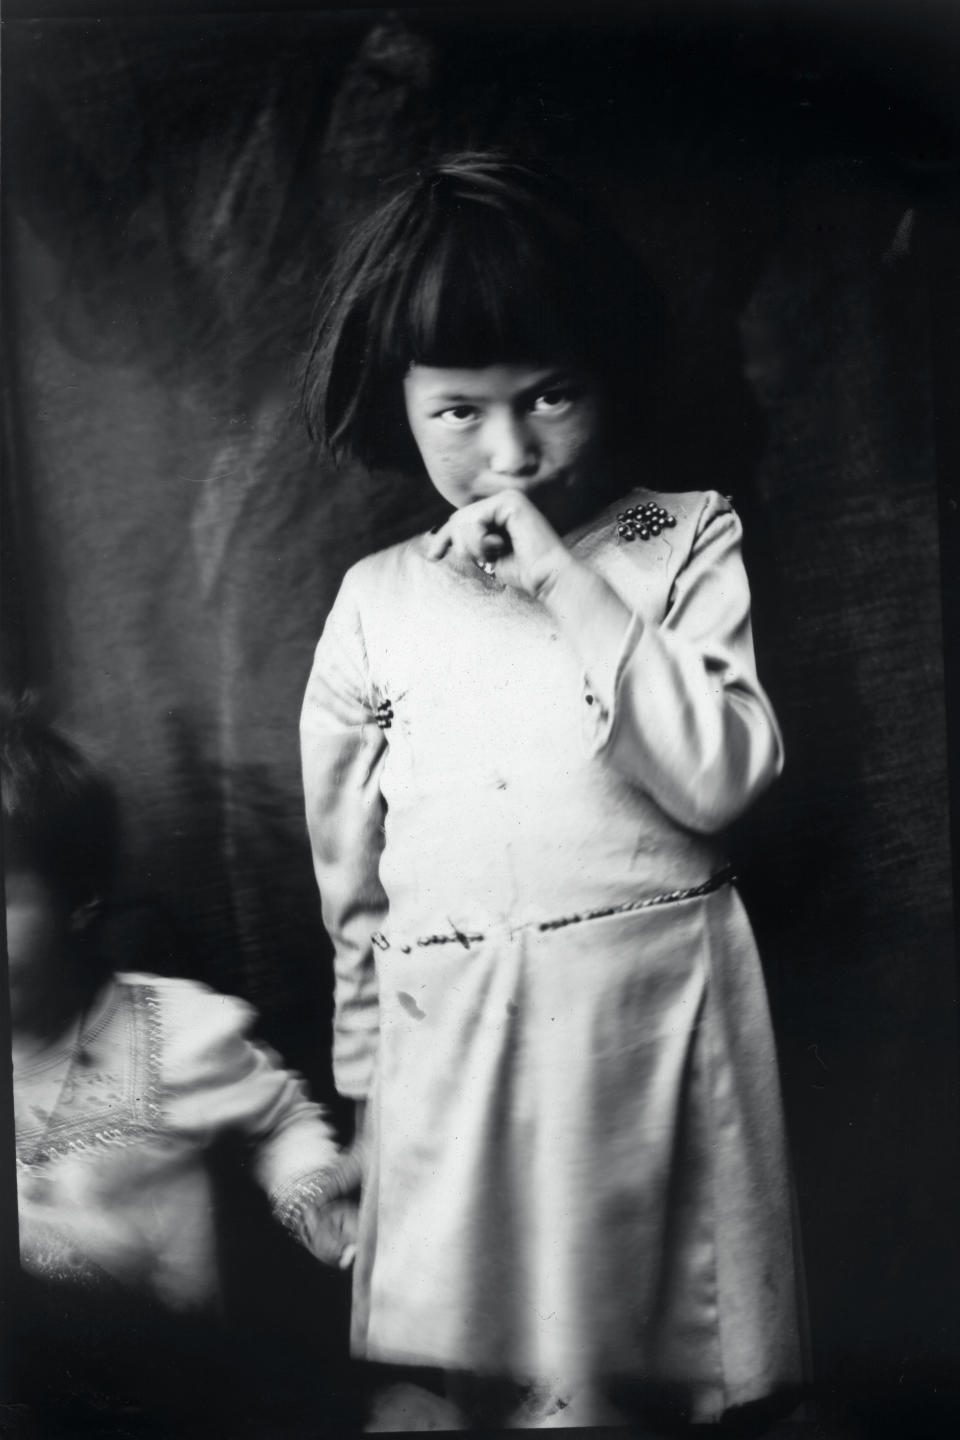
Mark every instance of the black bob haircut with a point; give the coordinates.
(478, 259)
(60, 815)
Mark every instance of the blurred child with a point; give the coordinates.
(123, 1081)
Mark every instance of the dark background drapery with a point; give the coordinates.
(173, 187)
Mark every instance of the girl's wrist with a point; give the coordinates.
(553, 576)
(588, 612)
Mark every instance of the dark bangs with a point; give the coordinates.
(489, 292)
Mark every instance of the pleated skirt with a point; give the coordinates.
(578, 1163)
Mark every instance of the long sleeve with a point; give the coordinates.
(676, 706)
(341, 749)
(216, 1079)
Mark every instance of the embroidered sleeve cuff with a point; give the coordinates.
(292, 1201)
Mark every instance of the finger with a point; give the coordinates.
(463, 535)
(439, 544)
(473, 531)
(494, 545)
(507, 573)
(347, 1257)
(477, 534)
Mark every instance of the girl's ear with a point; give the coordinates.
(84, 915)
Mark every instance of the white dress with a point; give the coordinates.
(113, 1131)
(545, 978)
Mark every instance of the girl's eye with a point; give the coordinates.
(553, 402)
(458, 415)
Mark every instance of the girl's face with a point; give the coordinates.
(503, 427)
(37, 939)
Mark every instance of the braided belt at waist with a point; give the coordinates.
(455, 936)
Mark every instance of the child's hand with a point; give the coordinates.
(330, 1232)
(507, 536)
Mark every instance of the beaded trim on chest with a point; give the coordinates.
(112, 1108)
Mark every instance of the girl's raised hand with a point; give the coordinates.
(507, 536)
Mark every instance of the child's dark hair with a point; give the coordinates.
(477, 260)
(59, 813)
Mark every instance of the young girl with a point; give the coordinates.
(522, 737)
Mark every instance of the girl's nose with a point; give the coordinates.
(512, 449)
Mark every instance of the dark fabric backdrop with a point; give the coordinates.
(172, 189)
